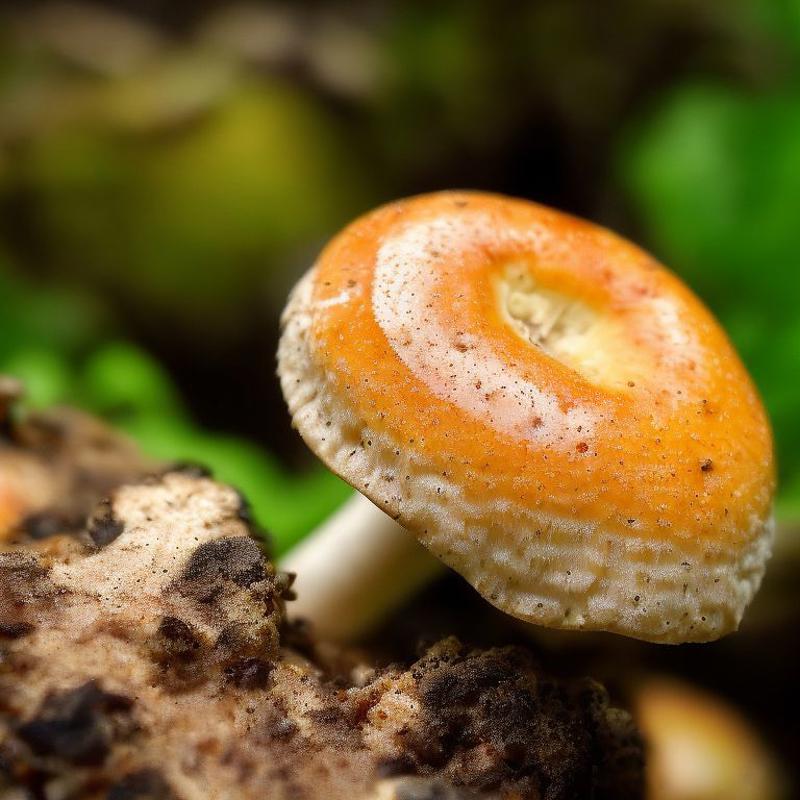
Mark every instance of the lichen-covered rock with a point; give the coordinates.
(489, 720)
(152, 660)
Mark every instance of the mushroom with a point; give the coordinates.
(548, 410)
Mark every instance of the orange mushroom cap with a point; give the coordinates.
(553, 413)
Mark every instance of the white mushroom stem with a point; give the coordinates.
(354, 569)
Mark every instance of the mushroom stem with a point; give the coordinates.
(354, 569)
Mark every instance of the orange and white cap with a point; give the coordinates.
(550, 411)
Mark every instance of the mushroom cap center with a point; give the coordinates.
(585, 338)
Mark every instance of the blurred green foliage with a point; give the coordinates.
(55, 344)
(185, 174)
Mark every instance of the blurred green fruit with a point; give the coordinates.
(182, 192)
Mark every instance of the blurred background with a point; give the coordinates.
(169, 169)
